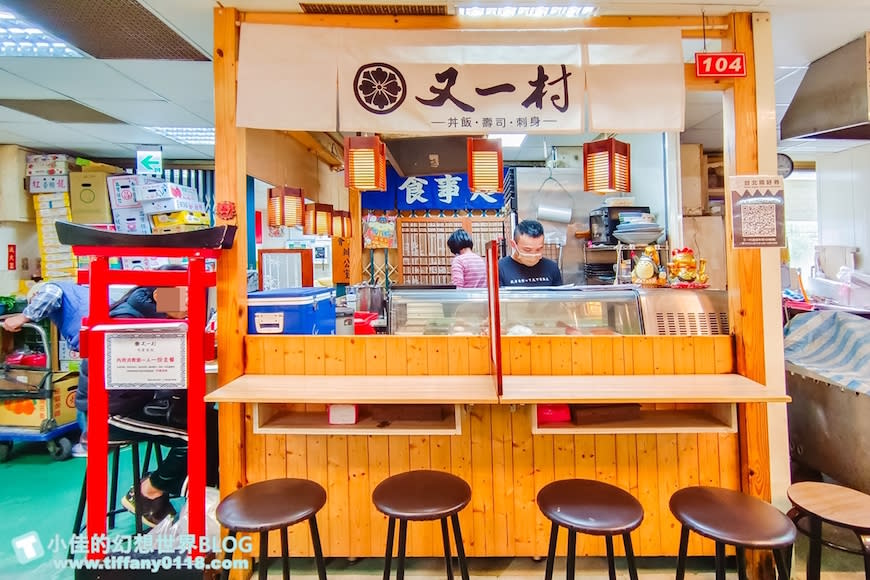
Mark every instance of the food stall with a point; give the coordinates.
(704, 399)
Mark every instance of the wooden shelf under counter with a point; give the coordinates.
(279, 419)
(701, 418)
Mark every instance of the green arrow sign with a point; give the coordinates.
(149, 161)
(151, 164)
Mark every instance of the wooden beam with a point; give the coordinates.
(744, 287)
(714, 26)
(332, 156)
(356, 243)
(693, 83)
(232, 265)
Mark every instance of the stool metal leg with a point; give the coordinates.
(551, 553)
(814, 558)
(720, 561)
(460, 547)
(570, 561)
(682, 554)
(783, 568)
(113, 488)
(263, 563)
(865, 547)
(285, 555)
(403, 538)
(611, 563)
(146, 462)
(388, 555)
(318, 551)
(80, 513)
(448, 559)
(629, 556)
(741, 563)
(225, 575)
(137, 491)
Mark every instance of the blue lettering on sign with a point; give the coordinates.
(443, 192)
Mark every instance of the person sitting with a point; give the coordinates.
(527, 266)
(468, 269)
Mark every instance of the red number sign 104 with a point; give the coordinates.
(720, 64)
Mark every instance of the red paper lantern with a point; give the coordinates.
(485, 165)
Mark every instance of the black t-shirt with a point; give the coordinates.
(544, 273)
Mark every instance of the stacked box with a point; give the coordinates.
(180, 218)
(172, 208)
(67, 358)
(51, 164)
(126, 210)
(58, 261)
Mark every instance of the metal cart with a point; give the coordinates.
(28, 383)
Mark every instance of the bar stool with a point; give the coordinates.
(422, 495)
(275, 504)
(594, 508)
(814, 503)
(730, 517)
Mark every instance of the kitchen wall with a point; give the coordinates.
(535, 192)
(843, 181)
(23, 235)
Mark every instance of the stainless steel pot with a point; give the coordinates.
(370, 299)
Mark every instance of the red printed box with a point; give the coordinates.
(48, 184)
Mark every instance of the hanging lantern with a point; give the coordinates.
(607, 166)
(347, 223)
(365, 163)
(294, 200)
(318, 219)
(275, 207)
(341, 223)
(485, 165)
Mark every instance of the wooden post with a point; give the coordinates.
(232, 266)
(356, 243)
(744, 285)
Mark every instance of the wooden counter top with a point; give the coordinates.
(721, 388)
(380, 389)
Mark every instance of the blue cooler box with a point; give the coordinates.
(292, 311)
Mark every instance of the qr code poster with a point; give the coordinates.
(757, 211)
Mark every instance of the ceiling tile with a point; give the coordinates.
(173, 80)
(122, 134)
(15, 87)
(77, 78)
(148, 113)
(12, 116)
(58, 110)
(45, 132)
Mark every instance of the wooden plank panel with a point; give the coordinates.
(584, 468)
(668, 483)
(544, 473)
(317, 457)
(254, 357)
(520, 356)
(541, 356)
(334, 356)
(379, 470)
(457, 355)
(362, 541)
(564, 468)
(355, 356)
(647, 460)
(376, 357)
(688, 468)
(581, 356)
(479, 356)
(439, 458)
(417, 355)
(437, 356)
(397, 355)
(297, 466)
(502, 479)
(481, 477)
(314, 355)
(708, 443)
(461, 464)
(524, 483)
(339, 507)
(420, 534)
(560, 355)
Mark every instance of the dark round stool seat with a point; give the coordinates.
(272, 504)
(591, 507)
(421, 495)
(731, 517)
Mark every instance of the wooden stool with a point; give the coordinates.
(835, 505)
(422, 495)
(594, 508)
(729, 517)
(275, 504)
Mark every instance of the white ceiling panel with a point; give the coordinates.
(7, 137)
(193, 19)
(802, 34)
(206, 150)
(178, 151)
(77, 78)
(179, 81)
(15, 87)
(122, 134)
(148, 113)
(107, 150)
(45, 132)
(8, 115)
(203, 109)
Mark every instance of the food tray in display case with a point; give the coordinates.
(438, 312)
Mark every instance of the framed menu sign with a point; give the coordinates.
(146, 356)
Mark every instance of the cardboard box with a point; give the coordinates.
(170, 205)
(143, 263)
(45, 201)
(122, 189)
(48, 183)
(89, 198)
(131, 220)
(179, 218)
(38, 413)
(176, 229)
(165, 190)
(46, 165)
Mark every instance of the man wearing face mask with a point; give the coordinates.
(527, 266)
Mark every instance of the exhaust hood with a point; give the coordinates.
(413, 156)
(833, 100)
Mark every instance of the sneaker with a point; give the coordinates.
(154, 511)
(79, 450)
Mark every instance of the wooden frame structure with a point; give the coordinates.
(746, 463)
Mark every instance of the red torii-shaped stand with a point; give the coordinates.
(197, 280)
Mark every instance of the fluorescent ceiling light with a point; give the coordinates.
(509, 139)
(187, 135)
(525, 11)
(21, 38)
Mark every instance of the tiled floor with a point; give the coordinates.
(39, 494)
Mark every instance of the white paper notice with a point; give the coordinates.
(146, 360)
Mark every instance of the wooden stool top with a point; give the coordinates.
(835, 504)
(589, 506)
(270, 505)
(732, 517)
(421, 495)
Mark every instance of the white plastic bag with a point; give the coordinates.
(178, 528)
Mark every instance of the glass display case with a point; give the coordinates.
(524, 312)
